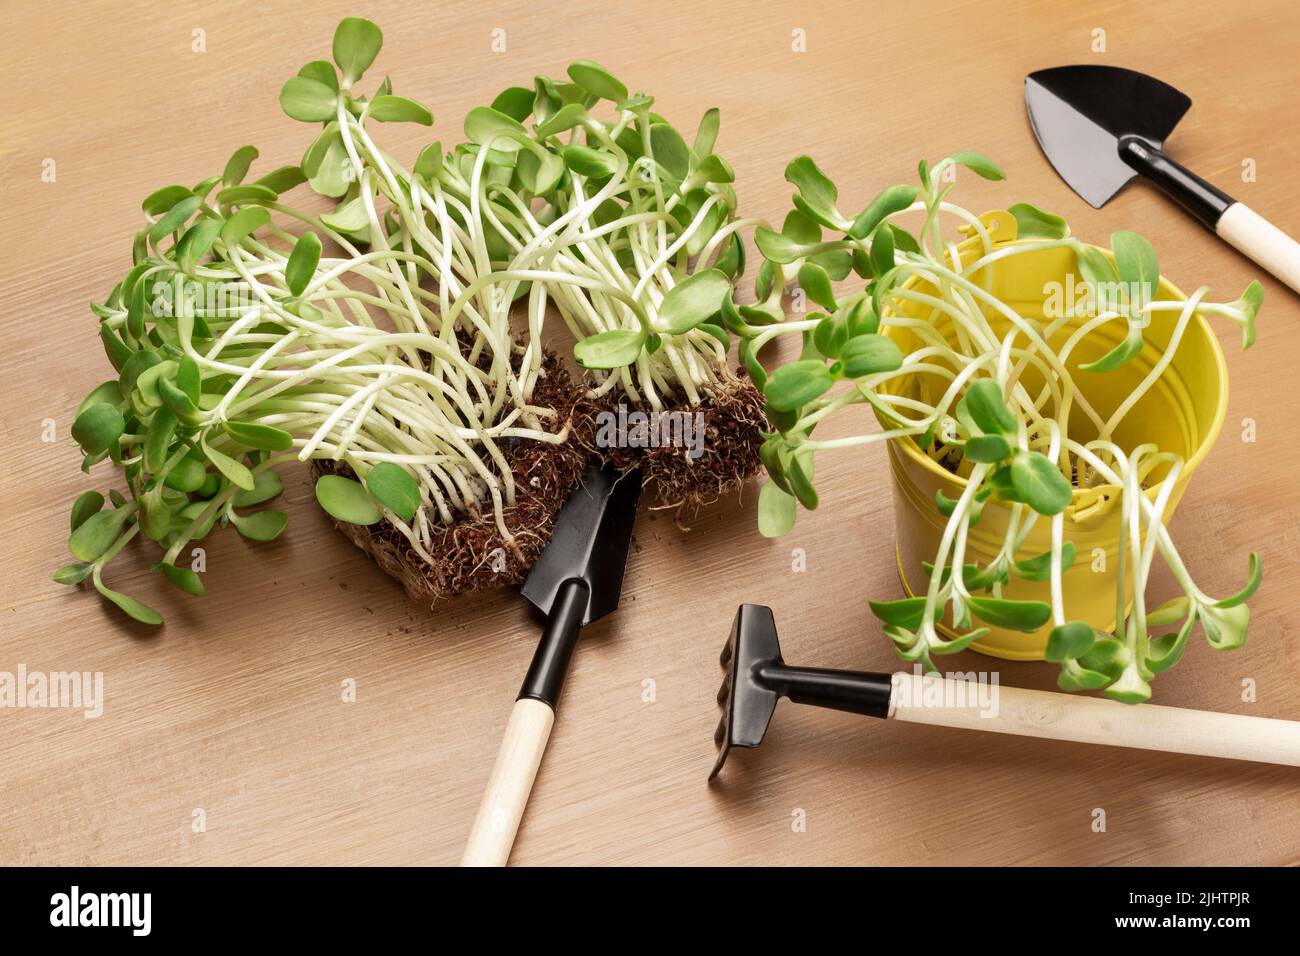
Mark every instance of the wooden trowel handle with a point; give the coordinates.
(529, 729)
(511, 782)
(1234, 222)
(1252, 235)
(1034, 713)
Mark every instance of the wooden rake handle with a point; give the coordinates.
(1055, 716)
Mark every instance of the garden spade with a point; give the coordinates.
(1102, 125)
(577, 579)
(755, 677)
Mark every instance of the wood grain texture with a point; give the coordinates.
(235, 707)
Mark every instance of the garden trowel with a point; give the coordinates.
(577, 579)
(1102, 125)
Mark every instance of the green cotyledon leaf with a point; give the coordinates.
(670, 150)
(979, 164)
(988, 449)
(597, 80)
(1128, 349)
(1039, 483)
(776, 511)
(1166, 650)
(692, 301)
(893, 200)
(817, 194)
(1016, 615)
(399, 109)
(96, 533)
(1039, 567)
(869, 354)
(1225, 627)
(129, 605)
(607, 350)
(356, 44)
(262, 526)
(1135, 261)
(794, 385)
(881, 255)
(987, 409)
(592, 163)
(88, 503)
(307, 100)
(816, 284)
(347, 500)
(235, 471)
(259, 436)
(1254, 577)
(905, 612)
(97, 428)
(1035, 223)
(395, 488)
(1069, 641)
(184, 578)
(266, 485)
(302, 262)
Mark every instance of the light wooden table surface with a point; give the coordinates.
(235, 707)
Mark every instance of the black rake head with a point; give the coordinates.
(747, 704)
(755, 678)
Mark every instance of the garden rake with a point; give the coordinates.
(756, 677)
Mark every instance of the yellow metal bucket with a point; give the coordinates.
(1182, 413)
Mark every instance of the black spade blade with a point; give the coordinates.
(592, 534)
(1079, 114)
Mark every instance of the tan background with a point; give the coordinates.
(235, 706)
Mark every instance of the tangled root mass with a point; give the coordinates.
(719, 455)
(711, 451)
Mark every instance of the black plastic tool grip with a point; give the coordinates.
(1203, 200)
(858, 692)
(550, 665)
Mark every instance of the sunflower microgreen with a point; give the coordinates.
(1012, 445)
(377, 334)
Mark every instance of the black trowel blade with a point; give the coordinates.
(1079, 114)
(592, 534)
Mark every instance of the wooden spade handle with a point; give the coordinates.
(493, 835)
(1036, 713)
(1251, 234)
